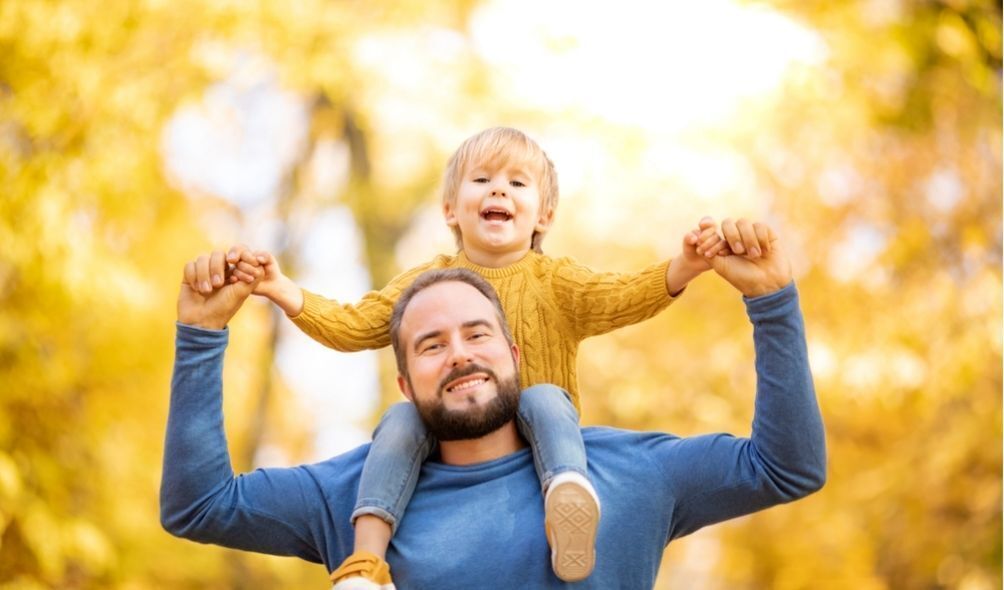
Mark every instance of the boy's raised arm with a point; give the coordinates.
(347, 327)
(350, 327)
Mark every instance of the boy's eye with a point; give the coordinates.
(517, 183)
(481, 179)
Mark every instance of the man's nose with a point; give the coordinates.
(460, 354)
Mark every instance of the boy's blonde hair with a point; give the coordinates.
(496, 146)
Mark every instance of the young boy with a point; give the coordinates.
(499, 198)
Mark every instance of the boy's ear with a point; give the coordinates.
(402, 384)
(449, 214)
(545, 220)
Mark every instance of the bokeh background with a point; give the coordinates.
(136, 134)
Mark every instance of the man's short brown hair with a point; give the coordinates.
(423, 282)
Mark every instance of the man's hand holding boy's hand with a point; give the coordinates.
(260, 269)
(762, 268)
(274, 285)
(210, 295)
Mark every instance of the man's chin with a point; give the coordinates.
(469, 402)
(472, 416)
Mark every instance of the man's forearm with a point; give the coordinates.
(267, 510)
(787, 427)
(195, 449)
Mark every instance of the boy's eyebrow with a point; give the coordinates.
(437, 333)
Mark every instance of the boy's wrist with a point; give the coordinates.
(291, 298)
(679, 274)
(284, 293)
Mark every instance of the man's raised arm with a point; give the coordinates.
(200, 499)
(721, 477)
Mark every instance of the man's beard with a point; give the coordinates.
(475, 421)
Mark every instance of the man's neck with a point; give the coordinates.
(502, 442)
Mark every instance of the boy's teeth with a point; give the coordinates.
(495, 214)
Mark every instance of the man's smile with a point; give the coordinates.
(466, 383)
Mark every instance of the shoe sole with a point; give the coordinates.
(571, 519)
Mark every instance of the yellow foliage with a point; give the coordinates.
(880, 167)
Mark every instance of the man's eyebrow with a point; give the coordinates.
(475, 323)
(427, 336)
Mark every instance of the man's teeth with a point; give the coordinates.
(467, 385)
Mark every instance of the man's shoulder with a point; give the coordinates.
(617, 439)
(344, 468)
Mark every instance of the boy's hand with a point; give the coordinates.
(699, 246)
(703, 243)
(274, 285)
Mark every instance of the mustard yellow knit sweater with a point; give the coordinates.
(552, 304)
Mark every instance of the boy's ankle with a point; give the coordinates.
(362, 571)
(576, 478)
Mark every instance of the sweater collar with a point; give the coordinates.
(515, 268)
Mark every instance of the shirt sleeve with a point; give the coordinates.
(351, 327)
(717, 477)
(598, 302)
(276, 511)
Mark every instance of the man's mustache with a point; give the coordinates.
(459, 372)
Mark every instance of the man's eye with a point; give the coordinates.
(431, 348)
(478, 335)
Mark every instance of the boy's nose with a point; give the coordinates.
(498, 192)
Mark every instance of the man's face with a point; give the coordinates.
(461, 370)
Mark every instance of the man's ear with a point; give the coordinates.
(450, 214)
(515, 355)
(402, 384)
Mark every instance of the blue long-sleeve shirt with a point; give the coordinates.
(481, 526)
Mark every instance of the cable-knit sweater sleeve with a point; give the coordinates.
(365, 325)
(597, 302)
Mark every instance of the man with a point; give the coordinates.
(476, 516)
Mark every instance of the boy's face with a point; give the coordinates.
(497, 209)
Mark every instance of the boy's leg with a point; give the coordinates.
(549, 422)
(390, 473)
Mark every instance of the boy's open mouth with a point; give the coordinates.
(495, 214)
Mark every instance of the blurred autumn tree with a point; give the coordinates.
(881, 168)
(90, 235)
